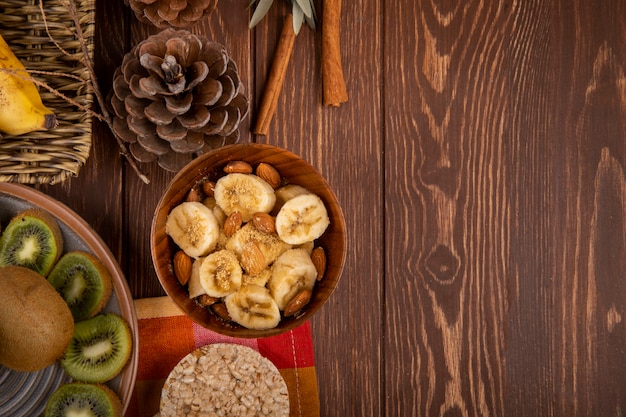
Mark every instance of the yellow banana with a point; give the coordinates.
(21, 109)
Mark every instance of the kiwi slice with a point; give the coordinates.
(32, 239)
(88, 400)
(83, 282)
(99, 349)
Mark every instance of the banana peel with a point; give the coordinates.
(21, 108)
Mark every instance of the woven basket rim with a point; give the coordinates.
(50, 157)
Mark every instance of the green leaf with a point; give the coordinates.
(306, 7)
(310, 21)
(298, 18)
(302, 10)
(259, 13)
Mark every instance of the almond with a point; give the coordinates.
(264, 222)
(318, 256)
(297, 303)
(252, 259)
(206, 300)
(238, 167)
(268, 173)
(221, 311)
(193, 195)
(182, 267)
(232, 223)
(209, 188)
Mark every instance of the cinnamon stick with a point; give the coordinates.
(333, 82)
(276, 77)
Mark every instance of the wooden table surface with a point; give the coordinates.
(480, 163)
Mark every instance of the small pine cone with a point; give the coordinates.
(174, 13)
(175, 96)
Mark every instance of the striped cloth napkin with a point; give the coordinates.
(166, 335)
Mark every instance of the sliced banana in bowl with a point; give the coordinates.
(193, 227)
(292, 272)
(277, 216)
(246, 193)
(302, 219)
(220, 273)
(253, 307)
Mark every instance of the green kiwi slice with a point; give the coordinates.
(32, 239)
(99, 349)
(83, 282)
(87, 400)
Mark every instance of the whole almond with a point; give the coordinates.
(238, 167)
(318, 256)
(209, 188)
(221, 311)
(182, 267)
(252, 259)
(297, 303)
(206, 300)
(193, 195)
(264, 222)
(232, 223)
(268, 173)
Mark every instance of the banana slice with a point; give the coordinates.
(302, 219)
(220, 273)
(307, 246)
(217, 210)
(222, 240)
(209, 202)
(286, 193)
(219, 215)
(253, 307)
(194, 285)
(193, 227)
(245, 193)
(270, 245)
(292, 272)
(259, 279)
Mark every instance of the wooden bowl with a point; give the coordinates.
(293, 170)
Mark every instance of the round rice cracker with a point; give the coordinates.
(224, 379)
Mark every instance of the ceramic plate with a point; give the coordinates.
(26, 394)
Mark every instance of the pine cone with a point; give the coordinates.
(177, 95)
(175, 13)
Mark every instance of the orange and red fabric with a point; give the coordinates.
(166, 335)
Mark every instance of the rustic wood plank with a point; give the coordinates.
(515, 167)
(568, 275)
(446, 211)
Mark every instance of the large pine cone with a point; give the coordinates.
(175, 13)
(177, 95)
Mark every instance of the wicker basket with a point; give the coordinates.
(52, 156)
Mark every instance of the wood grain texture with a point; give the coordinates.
(554, 250)
(446, 195)
(511, 152)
